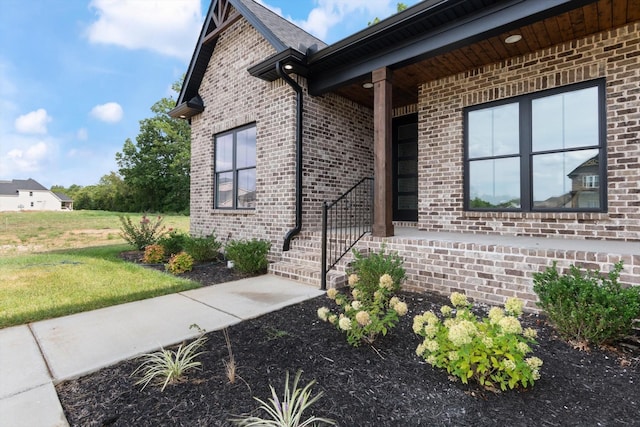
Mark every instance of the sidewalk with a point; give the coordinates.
(35, 357)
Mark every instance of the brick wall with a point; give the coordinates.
(234, 98)
(614, 55)
(337, 149)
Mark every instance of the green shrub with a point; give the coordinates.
(202, 248)
(365, 315)
(173, 242)
(146, 233)
(370, 268)
(492, 351)
(153, 254)
(248, 256)
(180, 263)
(587, 307)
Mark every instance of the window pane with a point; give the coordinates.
(494, 131)
(246, 148)
(566, 180)
(494, 183)
(247, 188)
(566, 120)
(224, 190)
(224, 152)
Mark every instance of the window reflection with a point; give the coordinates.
(566, 180)
(566, 120)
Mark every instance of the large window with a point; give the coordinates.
(539, 152)
(235, 169)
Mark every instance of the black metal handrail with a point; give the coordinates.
(344, 222)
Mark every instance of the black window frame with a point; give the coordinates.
(234, 132)
(526, 153)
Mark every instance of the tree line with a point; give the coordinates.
(154, 171)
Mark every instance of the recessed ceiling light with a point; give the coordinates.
(182, 116)
(513, 39)
(288, 67)
(367, 85)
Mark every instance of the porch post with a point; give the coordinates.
(382, 168)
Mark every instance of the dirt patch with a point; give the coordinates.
(383, 386)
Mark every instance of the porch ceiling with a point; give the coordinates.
(580, 22)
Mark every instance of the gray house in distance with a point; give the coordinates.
(30, 195)
(448, 132)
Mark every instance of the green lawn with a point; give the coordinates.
(58, 263)
(42, 286)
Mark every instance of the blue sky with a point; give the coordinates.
(77, 76)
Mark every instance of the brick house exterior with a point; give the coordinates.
(436, 75)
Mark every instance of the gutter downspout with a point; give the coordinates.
(294, 231)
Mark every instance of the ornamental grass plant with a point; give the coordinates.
(289, 411)
(493, 351)
(166, 367)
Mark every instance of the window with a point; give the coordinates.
(538, 152)
(235, 169)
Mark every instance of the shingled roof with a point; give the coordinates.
(11, 188)
(280, 33)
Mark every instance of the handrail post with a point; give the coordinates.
(323, 261)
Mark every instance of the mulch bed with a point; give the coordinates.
(383, 386)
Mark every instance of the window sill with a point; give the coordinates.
(568, 216)
(235, 212)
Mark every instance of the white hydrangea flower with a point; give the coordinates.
(458, 299)
(401, 308)
(323, 312)
(514, 306)
(386, 281)
(331, 293)
(345, 323)
(510, 325)
(363, 319)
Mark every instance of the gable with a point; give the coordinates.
(279, 32)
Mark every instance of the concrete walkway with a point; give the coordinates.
(34, 357)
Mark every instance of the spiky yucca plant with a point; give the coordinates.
(167, 366)
(289, 411)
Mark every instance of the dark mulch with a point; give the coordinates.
(210, 273)
(383, 386)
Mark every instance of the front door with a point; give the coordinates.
(405, 168)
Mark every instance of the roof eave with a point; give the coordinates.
(471, 28)
(293, 60)
(188, 109)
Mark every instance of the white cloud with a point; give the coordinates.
(329, 13)
(28, 160)
(111, 112)
(169, 27)
(33, 122)
(82, 134)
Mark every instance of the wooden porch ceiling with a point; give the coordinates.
(592, 18)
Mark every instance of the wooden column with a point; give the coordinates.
(382, 169)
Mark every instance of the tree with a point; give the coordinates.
(399, 8)
(156, 167)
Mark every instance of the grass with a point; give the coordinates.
(43, 286)
(59, 263)
(22, 232)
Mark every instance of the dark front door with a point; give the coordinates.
(405, 168)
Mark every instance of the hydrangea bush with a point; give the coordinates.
(494, 351)
(365, 313)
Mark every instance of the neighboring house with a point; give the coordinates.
(29, 195)
(473, 118)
